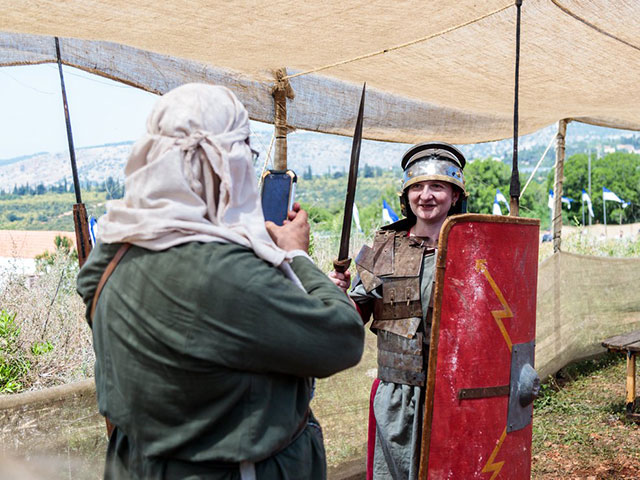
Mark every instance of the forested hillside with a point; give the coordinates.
(38, 207)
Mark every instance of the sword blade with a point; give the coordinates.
(351, 185)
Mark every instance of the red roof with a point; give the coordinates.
(29, 243)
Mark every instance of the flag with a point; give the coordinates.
(93, 228)
(550, 203)
(496, 207)
(586, 198)
(501, 198)
(609, 195)
(568, 201)
(625, 204)
(356, 217)
(388, 215)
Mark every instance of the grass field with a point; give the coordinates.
(579, 427)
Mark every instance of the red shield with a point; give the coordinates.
(483, 331)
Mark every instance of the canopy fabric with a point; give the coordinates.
(440, 70)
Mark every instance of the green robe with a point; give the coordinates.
(204, 354)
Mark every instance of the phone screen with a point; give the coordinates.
(278, 190)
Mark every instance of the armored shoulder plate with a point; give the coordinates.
(393, 267)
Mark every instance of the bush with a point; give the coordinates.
(13, 364)
(47, 340)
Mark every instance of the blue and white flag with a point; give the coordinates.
(587, 199)
(356, 217)
(568, 201)
(496, 207)
(93, 229)
(501, 198)
(609, 195)
(550, 203)
(388, 215)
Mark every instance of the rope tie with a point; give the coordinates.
(398, 47)
(591, 25)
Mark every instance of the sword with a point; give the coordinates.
(341, 264)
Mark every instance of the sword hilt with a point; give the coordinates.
(341, 266)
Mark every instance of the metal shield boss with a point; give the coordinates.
(481, 383)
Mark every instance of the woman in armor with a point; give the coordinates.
(395, 283)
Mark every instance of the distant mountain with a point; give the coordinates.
(95, 164)
(309, 150)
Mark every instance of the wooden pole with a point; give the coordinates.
(281, 91)
(631, 381)
(557, 187)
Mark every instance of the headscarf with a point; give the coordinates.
(190, 178)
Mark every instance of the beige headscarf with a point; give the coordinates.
(191, 178)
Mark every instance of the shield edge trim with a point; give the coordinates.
(441, 262)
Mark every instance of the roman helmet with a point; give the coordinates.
(433, 161)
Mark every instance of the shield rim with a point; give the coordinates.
(441, 261)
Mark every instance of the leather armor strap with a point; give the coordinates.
(105, 276)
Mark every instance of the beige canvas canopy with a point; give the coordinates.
(434, 70)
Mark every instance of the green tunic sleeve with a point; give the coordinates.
(277, 327)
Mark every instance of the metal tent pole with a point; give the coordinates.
(514, 187)
(590, 183)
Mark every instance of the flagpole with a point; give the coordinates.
(551, 218)
(590, 197)
(604, 206)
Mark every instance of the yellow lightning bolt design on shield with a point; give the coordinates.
(481, 266)
(492, 467)
(498, 315)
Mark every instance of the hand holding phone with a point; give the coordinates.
(278, 193)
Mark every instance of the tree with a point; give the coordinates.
(482, 178)
(619, 172)
(369, 172)
(113, 188)
(308, 173)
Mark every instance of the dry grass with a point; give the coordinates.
(579, 427)
(341, 404)
(592, 241)
(54, 338)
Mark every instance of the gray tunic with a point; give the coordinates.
(398, 408)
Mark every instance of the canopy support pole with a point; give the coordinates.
(281, 91)
(557, 186)
(514, 187)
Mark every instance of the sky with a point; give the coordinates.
(102, 111)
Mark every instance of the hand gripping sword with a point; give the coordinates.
(341, 264)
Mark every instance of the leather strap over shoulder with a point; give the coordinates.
(105, 276)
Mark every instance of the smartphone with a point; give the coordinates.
(278, 193)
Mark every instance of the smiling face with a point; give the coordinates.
(431, 200)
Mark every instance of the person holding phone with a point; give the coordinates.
(395, 284)
(209, 329)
